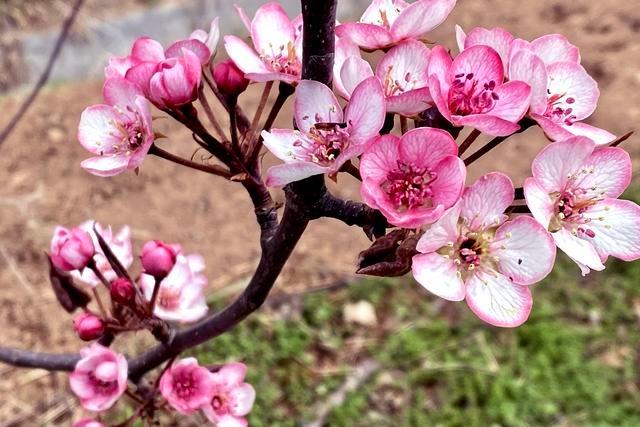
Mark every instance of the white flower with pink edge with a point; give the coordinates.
(574, 194)
(473, 253)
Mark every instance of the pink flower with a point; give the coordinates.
(388, 22)
(118, 132)
(210, 39)
(278, 46)
(187, 386)
(498, 39)
(87, 422)
(348, 63)
(327, 138)
(120, 245)
(574, 194)
(473, 253)
(158, 258)
(563, 93)
(122, 291)
(88, 326)
(402, 71)
(181, 295)
(229, 79)
(232, 397)
(71, 249)
(412, 180)
(99, 378)
(470, 90)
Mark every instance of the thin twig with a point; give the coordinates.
(212, 118)
(103, 310)
(468, 141)
(212, 169)
(250, 135)
(524, 125)
(404, 125)
(622, 139)
(243, 121)
(44, 77)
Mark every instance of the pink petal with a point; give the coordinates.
(443, 232)
(409, 58)
(271, 28)
(552, 130)
(315, 103)
(514, 100)
(243, 17)
(281, 175)
(529, 68)
(146, 49)
(118, 91)
(140, 75)
(410, 103)
(448, 187)
(498, 301)
(597, 135)
(558, 160)
(555, 48)
(232, 374)
(461, 37)
(498, 39)
(268, 76)
(486, 123)
(611, 172)
(616, 224)
(228, 420)
(581, 251)
(484, 202)
(97, 131)
(573, 81)
(345, 49)
(526, 251)
(242, 399)
(197, 47)
(286, 144)
(481, 61)
(243, 56)
(436, 92)
(438, 275)
(365, 113)
(539, 202)
(367, 36)
(421, 17)
(380, 157)
(353, 72)
(427, 146)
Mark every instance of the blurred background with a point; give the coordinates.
(329, 348)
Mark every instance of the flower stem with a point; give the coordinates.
(404, 125)
(258, 115)
(233, 122)
(212, 118)
(352, 170)
(622, 139)
(525, 124)
(103, 310)
(212, 169)
(468, 141)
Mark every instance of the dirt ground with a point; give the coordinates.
(41, 185)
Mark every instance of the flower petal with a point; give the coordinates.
(353, 72)
(529, 68)
(539, 202)
(486, 123)
(147, 50)
(380, 156)
(581, 251)
(367, 36)
(572, 81)
(598, 135)
(97, 131)
(443, 232)
(498, 301)
(286, 144)
(271, 29)
(526, 251)
(514, 100)
(498, 39)
(616, 224)
(315, 103)
(438, 275)
(281, 175)
(366, 110)
(448, 186)
(610, 172)
(427, 146)
(421, 17)
(555, 48)
(557, 161)
(482, 62)
(105, 166)
(484, 202)
(410, 103)
(197, 47)
(243, 56)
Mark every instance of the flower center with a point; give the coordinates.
(393, 86)
(103, 387)
(219, 404)
(470, 252)
(559, 108)
(129, 129)
(283, 59)
(409, 186)
(185, 386)
(328, 141)
(468, 96)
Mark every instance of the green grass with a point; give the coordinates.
(574, 363)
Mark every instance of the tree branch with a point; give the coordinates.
(44, 77)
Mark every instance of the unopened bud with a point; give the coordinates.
(158, 258)
(122, 291)
(88, 326)
(71, 249)
(229, 78)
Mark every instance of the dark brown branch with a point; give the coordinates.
(525, 124)
(44, 77)
(212, 169)
(622, 139)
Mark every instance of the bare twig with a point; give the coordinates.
(44, 77)
(212, 169)
(525, 124)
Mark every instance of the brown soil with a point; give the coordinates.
(42, 185)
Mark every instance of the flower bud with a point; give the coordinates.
(122, 291)
(158, 258)
(229, 79)
(88, 326)
(71, 249)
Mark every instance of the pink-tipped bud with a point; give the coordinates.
(71, 249)
(229, 78)
(158, 258)
(88, 326)
(122, 291)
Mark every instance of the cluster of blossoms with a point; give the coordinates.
(485, 243)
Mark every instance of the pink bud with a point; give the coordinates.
(229, 78)
(71, 249)
(176, 80)
(88, 326)
(88, 422)
(158, 258)
(122, 290)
